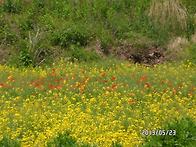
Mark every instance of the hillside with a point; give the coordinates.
(41, 32)
(97, 73)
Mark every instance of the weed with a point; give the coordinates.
(185, 135)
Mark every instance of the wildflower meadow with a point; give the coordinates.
(104, 103)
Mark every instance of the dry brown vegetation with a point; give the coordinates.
(168, 12)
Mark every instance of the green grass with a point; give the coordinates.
(65, 23)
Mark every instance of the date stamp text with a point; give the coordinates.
(158, 132)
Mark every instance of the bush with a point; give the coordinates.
(7, 142)
(26, 22)
(12, 6)
(80, 54)
(76, 34)
(7, 36)
(116, 144)
(185, 135)
(25, 58)
(65, 140)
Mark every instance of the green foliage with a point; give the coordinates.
(65, 140)
(25, 58)
(80, 54)
(76, 35)
(26, 22)
(8, 142)
(7, 36)
(116, 144)
(192, 53)
(117, 22)
(185, 135)
(190, 5)
(12, 6)
(34, 53)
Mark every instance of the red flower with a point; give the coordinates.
(2, 85)
(113, 78)
(114, 86)
(51, 87)
(143, 78)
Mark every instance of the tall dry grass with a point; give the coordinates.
(168, 13)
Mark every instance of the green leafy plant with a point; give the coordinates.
(63, 140)
(25, 58)
(80, 54)
(77, 35)
(12, 6)
(8, 142)
(116, 144)
(185, 135)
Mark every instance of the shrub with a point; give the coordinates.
(12, 6)
(76, 34)
(80, 54)
(26, 22)
(185, 135)
(116, 144)
(25, 58)
(7, 36)
(8, 142)
(65, 140)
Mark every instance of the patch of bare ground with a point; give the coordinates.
(148, 55)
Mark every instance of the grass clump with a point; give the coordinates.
(169, 13)
(12, 6)
(63, 140)
(8, 142)
(185, 135)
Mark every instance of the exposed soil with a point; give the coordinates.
(149, 56)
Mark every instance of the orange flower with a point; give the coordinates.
(113, 78)
(114, 86)
(143, 78)
(174, 91)
(103, 74)
(131, 101)
(10, 78)
(58, 87)
(1, 85)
